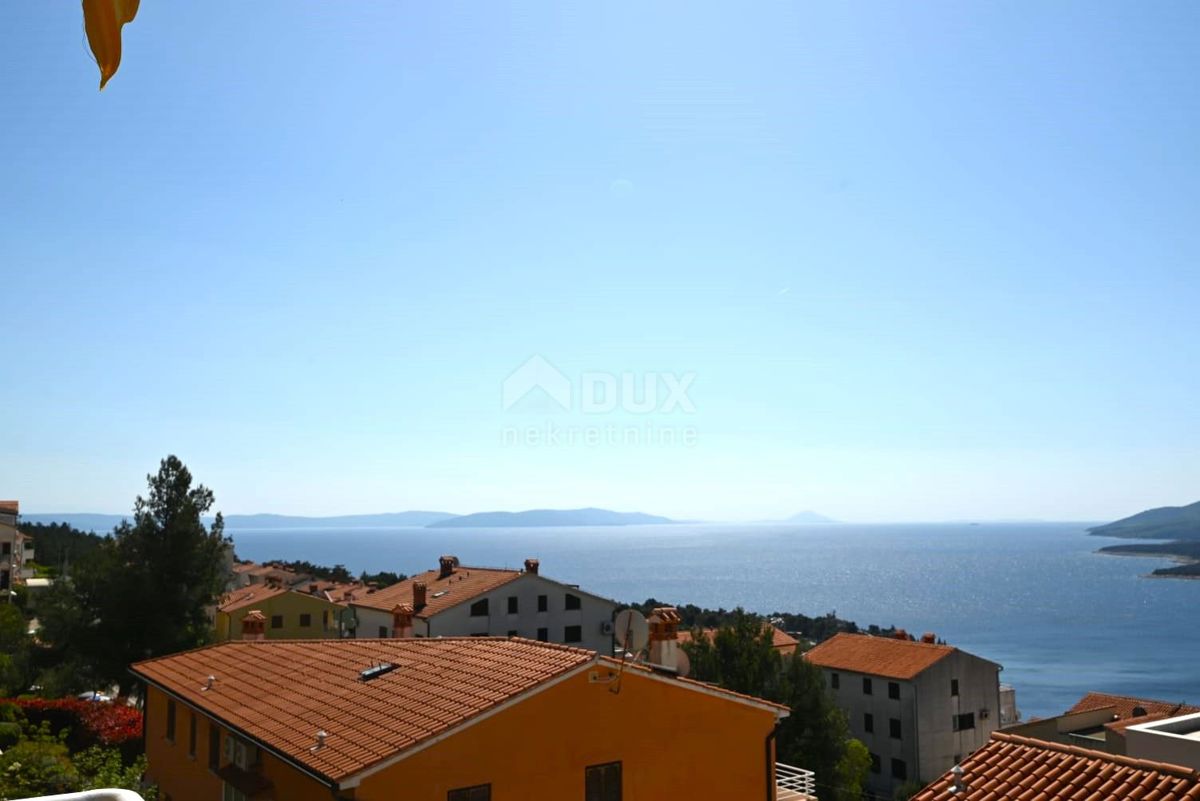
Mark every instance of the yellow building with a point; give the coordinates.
(290, 614)
(445, 719)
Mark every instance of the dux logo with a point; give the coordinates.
(599, 392)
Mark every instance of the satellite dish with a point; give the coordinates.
(631, 630)
(683, 665)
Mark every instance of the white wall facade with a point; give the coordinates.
(593, 617)
(929, 743)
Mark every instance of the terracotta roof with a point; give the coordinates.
(463, 584)
(1123, 706)
(10, 507)
(282, 692)
(878, 656)
(779, 637)
(248, 596)
(1024, 769)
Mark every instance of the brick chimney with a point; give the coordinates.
(664, 637)
(419, 590)
(929, 637)
(531, 566)
(254, 625)
(446, 565)
(402, 621)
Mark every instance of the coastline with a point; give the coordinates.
(1178, 559)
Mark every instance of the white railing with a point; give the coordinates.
(791, 782)
(91, 795)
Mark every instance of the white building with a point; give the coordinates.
(456, 600)
(15, 548)
(1175, 741)
(919, 707)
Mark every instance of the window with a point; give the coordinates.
(512, 632)
(957, 758)
(170, 720)
(214, 746)
(899, 770)
(231, 793)
(893, 690)
(305, 620)
(276, 621)
(544, 635)
(875, 763)
(954, 686)
(894, 728)
(835, 680)
(480, 608)
(5, 548)
(602, 782)
(573, 601)
(573, 634)
(480, 792)
(543, 603)
(869, 723)
(866, 686)
(513, 605)
(382, 632)
(192, 735)
(964, 721)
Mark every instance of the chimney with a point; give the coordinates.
(928, 637)
(418, 595)
(531, 566)
(446, 565)
(664, 638)
(312, 589)
(254, 625)
(402, 621)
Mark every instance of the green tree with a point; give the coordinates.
(740, 656)
(146, 590)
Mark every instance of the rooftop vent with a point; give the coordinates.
(375, 671)
(321, 735)
(208, 684)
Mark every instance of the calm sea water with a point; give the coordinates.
(1036, 598)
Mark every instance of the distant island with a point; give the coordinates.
(1179, 524)
(102, 523)
(535, 518)
(809, 518)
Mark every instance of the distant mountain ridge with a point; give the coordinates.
(534, 518)
(102, 524)
(1164, 523)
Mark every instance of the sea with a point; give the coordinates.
(1037, 598)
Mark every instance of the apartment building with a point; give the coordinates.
(457, 718)
(457, 600)
(919, 706)
(16, 549)
(1100, 721)
(316, 611)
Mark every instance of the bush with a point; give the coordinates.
(87, 723)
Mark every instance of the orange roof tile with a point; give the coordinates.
(10, 507)
(878, 656)
(779, 637)
(282, 692)
(1124, 705)
(463, 584)
(1023, 768)
(248, 596)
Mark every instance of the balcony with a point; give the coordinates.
(794, 784)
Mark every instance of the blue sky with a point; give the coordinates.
(932, 261)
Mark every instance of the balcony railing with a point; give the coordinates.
(91, 795)
(793, 784)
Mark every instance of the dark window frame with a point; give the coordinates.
(868, 723)
(953, 687)
(305, 620)
(964, 721)
(514, 605)
(276, 621)
(868, 686)
(572, 634)
(899, 769)
(214, 746)
(895, 729)
(480, 608)
(572, 602)
(543, 634)
(835, 681)
(478, 792)
(603, 782)
(543, 603)
(876, 762)
(894, 690)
